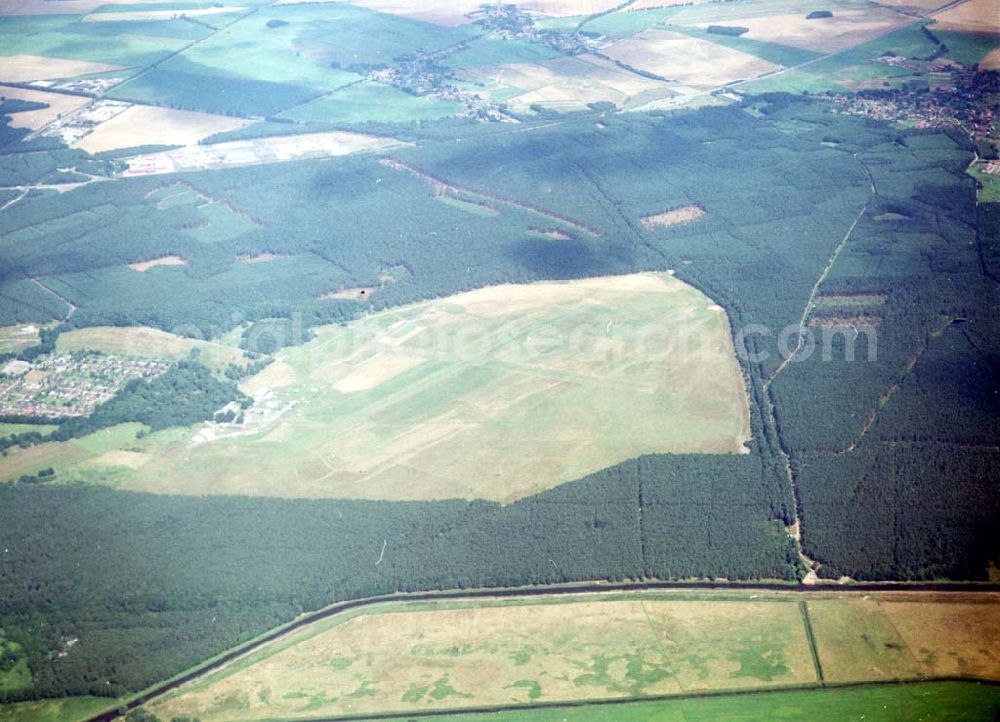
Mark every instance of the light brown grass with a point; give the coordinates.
(59, 104)
(24, 68)
(148, 125)
(148, 342)
(885, 637)
(991, 61)
(122, 457)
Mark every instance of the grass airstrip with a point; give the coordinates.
(448, 655)
(498, 393)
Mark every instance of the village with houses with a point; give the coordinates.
(962, 97)
(65, 385)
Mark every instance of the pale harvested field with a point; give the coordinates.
(148, 125)
(686, 60)
(498, 394)
(925, 5)
(974, 16)
(446, 657)
(563, 8)
(62, 7)
(653, 4)
(991, 61)
(455, 12)
(25, 68)
(567, 83)
(448, 13)
(675, 217)
(127, 15)
(886, 636)
(148, 343)
(59, 104)
(275, 149)
(144, 266)
(845, 29)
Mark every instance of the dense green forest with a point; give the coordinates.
(892, 454)
(163, 582)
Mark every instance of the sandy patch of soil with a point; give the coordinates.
(844, 321)
(120, 457)
(361, 293)
(673, 217)
(257, 151)
(259, 258)
(144, 266)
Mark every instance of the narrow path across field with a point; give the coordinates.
(70, 307)
(811, 301)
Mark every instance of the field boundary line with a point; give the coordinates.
(811, 638)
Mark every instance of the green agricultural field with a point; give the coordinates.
(447, 655)
(470, 397)
(856, 67)
(968, 48)
(938, 701)
(9, 429)
(371, 101)
(65, 36)
(990, 190)
(69, 709)
(62, 455)
(623, 24)
(488, 51)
